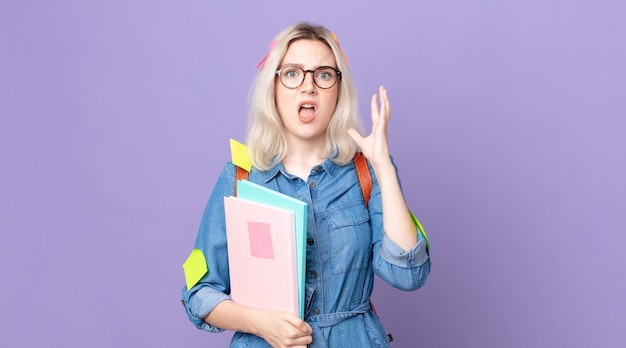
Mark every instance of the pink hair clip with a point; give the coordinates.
(260, 64)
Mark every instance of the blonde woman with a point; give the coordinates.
(304, 131)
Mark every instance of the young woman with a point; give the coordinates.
(303, 135)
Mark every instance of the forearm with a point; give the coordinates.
(397, 221)
(228, 315)
(279, 329)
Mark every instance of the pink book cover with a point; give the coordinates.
(261, 255)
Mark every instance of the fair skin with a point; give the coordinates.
(306, 135)
(305, 132)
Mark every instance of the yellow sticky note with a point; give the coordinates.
(195, 268)
(239, 154)
(420, 228)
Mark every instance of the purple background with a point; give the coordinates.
(508, 128)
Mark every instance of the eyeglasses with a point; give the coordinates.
(324, 77)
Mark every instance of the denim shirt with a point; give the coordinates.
(346, 246)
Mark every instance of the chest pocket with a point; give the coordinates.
(350, 237)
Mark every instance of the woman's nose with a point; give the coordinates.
(308, 84)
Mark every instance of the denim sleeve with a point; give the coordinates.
(405, 270)
(214, 287)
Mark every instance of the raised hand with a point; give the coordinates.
(375, 146)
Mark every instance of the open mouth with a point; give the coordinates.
(306, 113)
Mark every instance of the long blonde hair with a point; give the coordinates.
(266, 138)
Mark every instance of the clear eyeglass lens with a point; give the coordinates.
(324, 77)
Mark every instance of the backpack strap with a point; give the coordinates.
(365, 179)
(240, 174)
(363, 173)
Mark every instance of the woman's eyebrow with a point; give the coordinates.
(294, 65)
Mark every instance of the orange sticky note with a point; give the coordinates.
(195, 268)
(239, 154)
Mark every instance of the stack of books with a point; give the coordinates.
(266, 232)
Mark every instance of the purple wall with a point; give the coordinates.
(509, 123)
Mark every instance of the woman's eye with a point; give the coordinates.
(291, 74)
(324, 75)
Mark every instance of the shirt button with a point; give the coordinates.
(312, 184)
(313, 274)
(310, 241)
(317, 169)
(316, 311)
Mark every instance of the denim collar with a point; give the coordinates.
(328, 166)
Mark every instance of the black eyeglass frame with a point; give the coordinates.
(304, 75)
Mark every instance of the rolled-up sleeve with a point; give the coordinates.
(200, 303)
(405, 270)
(394, 254)
(214, 286)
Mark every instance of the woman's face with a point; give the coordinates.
(307, 109)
